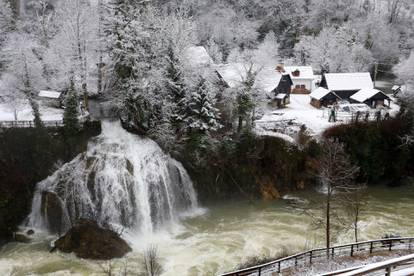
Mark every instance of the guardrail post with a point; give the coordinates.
(296, 261)
(388, 271)
(333, 252)
(371, 247)
(390, 245)
(352, 250)
(310, 256)
(260, 271)
(278, 267)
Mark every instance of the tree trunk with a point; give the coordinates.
(240, 126)
(328, 222)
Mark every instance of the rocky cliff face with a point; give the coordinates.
(257, 167)
(26, 157)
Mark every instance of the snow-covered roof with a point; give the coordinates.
(197, 55)
(306, 72)
(319, 93)
(364, 94)
(49, 94)
(234, 73)
(348, 81)
(395, 87)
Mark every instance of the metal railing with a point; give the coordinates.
(308, 257)
(29, 124)
(387, 267)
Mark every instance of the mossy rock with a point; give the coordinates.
(90, 241)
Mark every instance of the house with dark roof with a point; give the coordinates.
(372, 97)
(276, 84)
(346, 84)
(322, 97)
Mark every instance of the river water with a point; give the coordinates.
(223, 236)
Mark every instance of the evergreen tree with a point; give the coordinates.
(176, 89)
(71, 113)
(245, 99)
(202, 115)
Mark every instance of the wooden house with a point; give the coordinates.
(51, 98)
(302, 77)
(322, 97)
(276, 85)
(372, 97)
(346, 84)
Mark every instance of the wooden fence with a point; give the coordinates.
(29, 124)
(308, 257)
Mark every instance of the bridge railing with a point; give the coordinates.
(308, 257)
(29, 124)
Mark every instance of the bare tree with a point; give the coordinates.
(355, 203)
(152, 262)
(337, 175)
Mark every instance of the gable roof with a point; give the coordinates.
(306, 72)
(234, 73)
(320, 92)
(197, 56)
(348, 81)
(365, 94)
(49, 94)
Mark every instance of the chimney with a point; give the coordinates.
(296, 73)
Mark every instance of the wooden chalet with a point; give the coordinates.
(276, 85)
(346, 84)
(322, 97)
(302, 78)
(372, 97)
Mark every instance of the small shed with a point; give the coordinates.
(372, 97)
(323, 97)
(346, 84)
(51, 98)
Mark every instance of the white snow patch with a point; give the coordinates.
(24, 113)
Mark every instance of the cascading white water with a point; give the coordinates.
(122, 181)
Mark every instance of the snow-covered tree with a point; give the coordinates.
(322, 51)
(202, 116)
(176, 89)
(71, 113)
(245, 99)
(267, 53)
(405, 70)
(6, 24)
(26, 69)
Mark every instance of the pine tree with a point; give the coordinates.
(71, 113)
(176, 89)
(202, 115)
(245, 99)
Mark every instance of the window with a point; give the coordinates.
(297, 86)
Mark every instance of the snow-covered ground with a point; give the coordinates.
(25, 113)
(286, 122)
(319, 268)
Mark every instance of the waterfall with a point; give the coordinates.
(121, 181)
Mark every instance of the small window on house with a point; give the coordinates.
(297, 86)
(303, 86)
